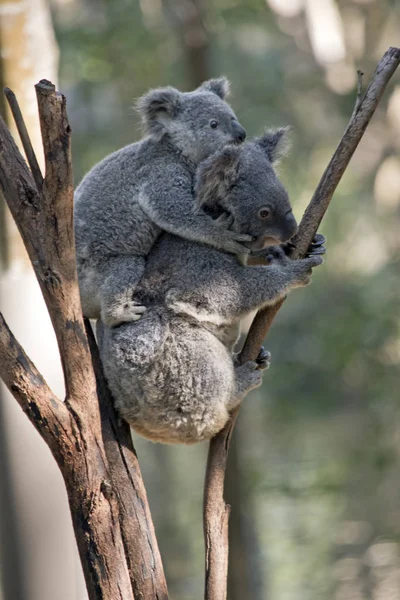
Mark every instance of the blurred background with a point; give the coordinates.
(314, 466)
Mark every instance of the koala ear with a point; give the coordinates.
(215, 176)
(275, 143)
(220, 87)
(157, 105)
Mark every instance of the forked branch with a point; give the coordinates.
(108, 503)
(215, 509)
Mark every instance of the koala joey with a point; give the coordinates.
(172, 374)
(125, 201)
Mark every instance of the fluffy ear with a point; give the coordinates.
(215, 176)
(157, 105)
(220, 87)
(275, 143)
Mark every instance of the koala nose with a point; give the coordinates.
(291, 225)
(239, 133)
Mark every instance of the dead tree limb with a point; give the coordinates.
(120, 559)
(136, 524)
(216, 511)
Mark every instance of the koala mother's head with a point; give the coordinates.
(241, 181)
(198, 123)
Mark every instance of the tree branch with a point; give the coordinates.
(140, 542)
(44, 409)
(44, 218)
(23, 134)
(215, 509)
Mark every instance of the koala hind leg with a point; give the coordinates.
(247, 378)
(122, 274)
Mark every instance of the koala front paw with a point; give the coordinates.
(303, 270)
(275, 255)
(230, 241)
(316, 247)
(248, 377)
(263, 359)
(122, 311)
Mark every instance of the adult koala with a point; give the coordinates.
(172, 373)
(125, 201)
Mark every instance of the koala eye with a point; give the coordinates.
(213, 124)
(264, 213)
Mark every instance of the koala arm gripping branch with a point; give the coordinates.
(237, 289)
(168, 201)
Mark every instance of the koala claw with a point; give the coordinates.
(224, 221)
(229, 242)
(249, 376)
(125, 312)
(317, 245)
(263, 359)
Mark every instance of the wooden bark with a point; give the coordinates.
(109, 509)
(216, 512)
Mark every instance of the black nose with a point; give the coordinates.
(291, 225)
(239, 133)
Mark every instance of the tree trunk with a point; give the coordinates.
(29, 52)
(111, 518)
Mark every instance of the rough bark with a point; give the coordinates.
(136, 524)
(216, 511)
(116, 542)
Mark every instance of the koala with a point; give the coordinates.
(173, 375)
(125, 202)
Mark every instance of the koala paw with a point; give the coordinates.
(303, 270)
(224, 221)
(124, 311)
(263, 359)
(315, 248)
(248, 377)
(228, 240)
(275, 254)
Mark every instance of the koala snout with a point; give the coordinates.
(239, 133)
(290, 227)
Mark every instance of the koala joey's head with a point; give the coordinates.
(198, 123)
(241, 181)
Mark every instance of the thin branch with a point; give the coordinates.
(360, 76)
(47, 413)
(140, 542)
(25, 139)
(214, 518)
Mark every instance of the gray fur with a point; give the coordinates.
(125, 201)
(172, 373)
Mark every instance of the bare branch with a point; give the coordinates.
(140, 542)
(45, 411)
(44, 220)
(360, 75)
(25, 139)
(214, 524)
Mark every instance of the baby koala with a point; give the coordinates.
(172, 373)
(125, 202)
